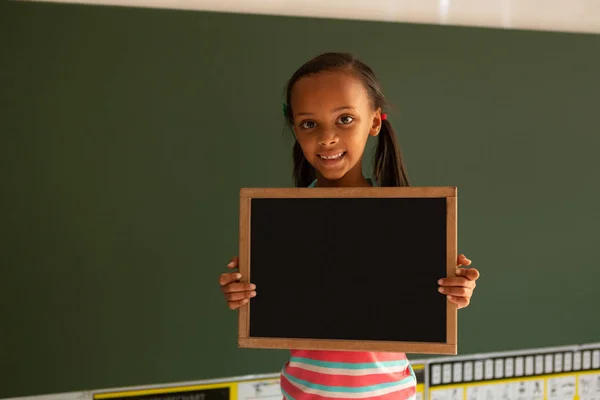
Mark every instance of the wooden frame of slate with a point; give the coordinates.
(351, 269)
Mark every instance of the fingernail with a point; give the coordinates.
(238, 276)
(230, 264)
(441, 290)
(458, 271)
(252, 294)
(450, 298)
(252, 286)
(244, 301)
(440, 281)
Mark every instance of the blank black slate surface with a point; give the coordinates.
(348, 268)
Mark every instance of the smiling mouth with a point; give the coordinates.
(332, 157)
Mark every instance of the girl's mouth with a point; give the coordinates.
(331, 159)
(331, 156)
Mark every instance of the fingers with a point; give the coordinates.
(227, 278)
(459, 289)
(236, 287)
(461, 302)
(457, 281)
(234, 305)
(471, 274)
(237, 296)
(234, 262)
(237, 299)
(236, 293)
(456, 291)
(463, 260)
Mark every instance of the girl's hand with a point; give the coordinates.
(459, 289)
(236, 293)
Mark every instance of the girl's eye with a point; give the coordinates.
(346, 119)
(308, 124)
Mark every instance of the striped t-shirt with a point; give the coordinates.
(323, 375)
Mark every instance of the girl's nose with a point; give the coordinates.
(328, 138)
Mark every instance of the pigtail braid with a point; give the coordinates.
(304, 173)
(388, 167)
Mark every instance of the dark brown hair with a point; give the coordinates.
(388, 168)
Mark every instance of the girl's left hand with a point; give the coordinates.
(459, 289)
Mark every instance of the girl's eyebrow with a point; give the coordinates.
(334, 110)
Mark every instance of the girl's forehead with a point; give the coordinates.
(328, 88)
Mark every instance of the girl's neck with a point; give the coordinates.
(345, 181)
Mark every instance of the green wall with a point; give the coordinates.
(126, 134)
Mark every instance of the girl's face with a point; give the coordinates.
(333, 118)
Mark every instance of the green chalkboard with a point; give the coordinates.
(125, 135)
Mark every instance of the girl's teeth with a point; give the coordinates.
(332, 157)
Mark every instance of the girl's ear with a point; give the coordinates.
(376, 125)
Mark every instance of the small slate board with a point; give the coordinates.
(348, 268)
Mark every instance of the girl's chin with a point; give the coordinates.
(333, 175)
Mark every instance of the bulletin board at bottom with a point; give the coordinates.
(565, 373)
(571, 373)
(264, 388)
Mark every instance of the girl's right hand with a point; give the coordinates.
(236, 293)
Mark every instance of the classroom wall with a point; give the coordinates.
(127, 133)
(580, 16)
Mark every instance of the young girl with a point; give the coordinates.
(333, 104)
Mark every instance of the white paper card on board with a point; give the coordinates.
(447, 373)
(468, 371)
(475, 393)
(478, 370)
(561, 388)
(509, 367)
(519, 366)
(548, 366)
(568, 361)
(436, 374)
(447, 394)
(267, 389)
(457, 374)
(529, 365)
(558, 362)
(577, 361)
(539, 364)
(596, 360)
(536, 389)
(499, 368)
(489, 369)
(588, 388)
(587, 360)
(522, 390)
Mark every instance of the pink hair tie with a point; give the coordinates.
(383, 117)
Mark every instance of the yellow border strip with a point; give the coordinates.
(144, 392)
(233, 391)
(420, 388)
